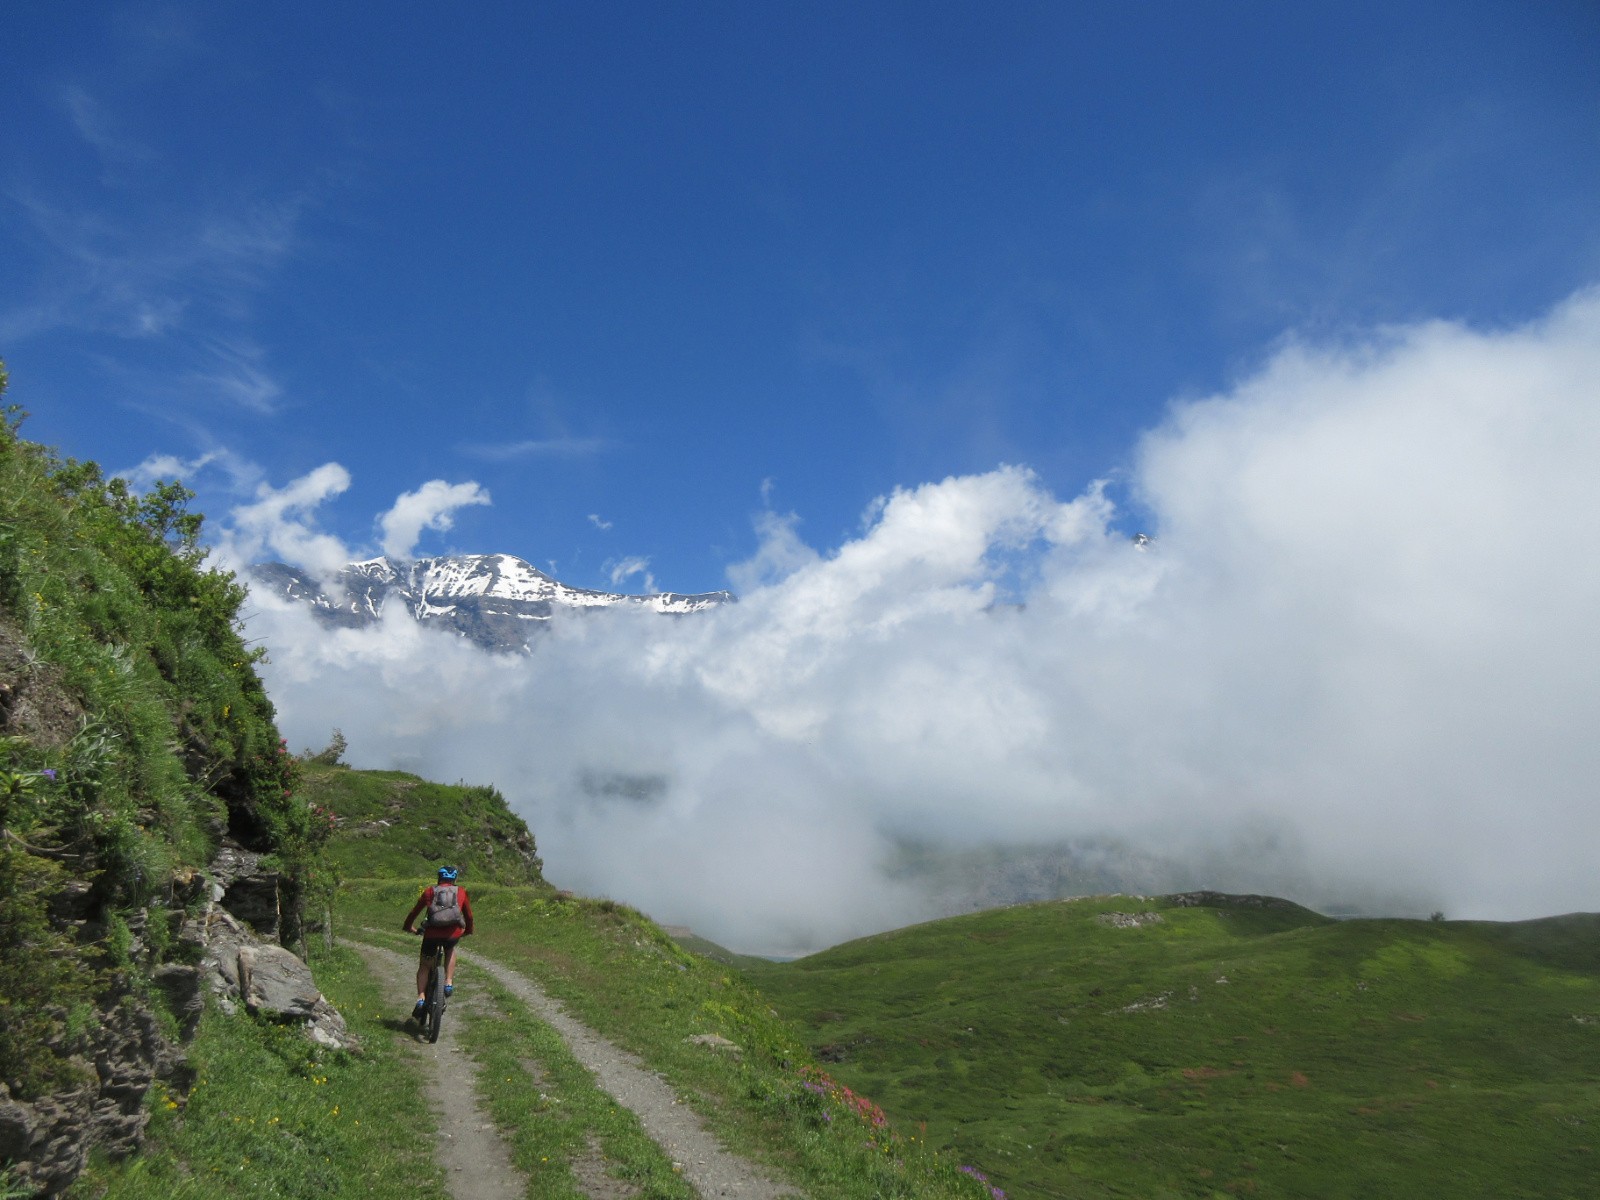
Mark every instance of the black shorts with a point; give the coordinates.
(431, 944)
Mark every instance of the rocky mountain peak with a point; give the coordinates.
(498, 601)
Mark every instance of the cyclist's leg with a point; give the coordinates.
(450, 963)
(424, 964)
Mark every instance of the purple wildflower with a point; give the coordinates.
(49, 773)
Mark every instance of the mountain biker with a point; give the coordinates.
(449, 920)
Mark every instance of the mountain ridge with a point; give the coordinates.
(498, 601)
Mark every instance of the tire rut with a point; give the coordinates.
(476, 1162)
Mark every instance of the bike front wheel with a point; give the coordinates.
(435, 1005)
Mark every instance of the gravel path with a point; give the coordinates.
(676, 1128)
(477, 1165)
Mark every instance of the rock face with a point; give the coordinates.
(121, 1057)
(276, 984)
(245, 890)
(50, 1139)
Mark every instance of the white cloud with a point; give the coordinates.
(429, 507)
(243, 475)
(160, 468)
(625, 569)
(559, 447)
(781, 552)
(1360, 656)
(281, 524)
(598, 522)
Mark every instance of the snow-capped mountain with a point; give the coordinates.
(497, 600)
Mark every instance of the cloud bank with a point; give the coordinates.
(1358, 658)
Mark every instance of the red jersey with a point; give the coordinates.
(452, 932)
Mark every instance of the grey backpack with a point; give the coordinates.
(445, 907)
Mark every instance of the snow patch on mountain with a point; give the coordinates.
(497, 600)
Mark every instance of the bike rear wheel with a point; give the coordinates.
(435, 1003)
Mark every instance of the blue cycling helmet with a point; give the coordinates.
(448, 873)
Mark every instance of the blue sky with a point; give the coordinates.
(622, 264)
(850, 306)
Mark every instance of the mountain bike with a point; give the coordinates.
(434, 997)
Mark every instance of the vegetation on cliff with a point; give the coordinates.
(134, 734)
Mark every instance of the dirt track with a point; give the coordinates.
(480, 1171)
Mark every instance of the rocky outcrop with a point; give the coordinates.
(49, 1139)
(223, 947)
(239, 885)
(1124, 920)
(267, 980)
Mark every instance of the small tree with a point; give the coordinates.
(332, 755)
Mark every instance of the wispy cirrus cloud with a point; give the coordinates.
(106, 271)
(623, 569)
(101, 130)
(242, 475)
(557, 447)
(185, 286)
(599, 522)
(233, 369)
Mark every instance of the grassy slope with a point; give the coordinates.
(398, 825)
(1339, 1059)
(134, 730)
(618, 972)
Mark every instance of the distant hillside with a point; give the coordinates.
(1208, 1045)
(389, 823)
(970, 878)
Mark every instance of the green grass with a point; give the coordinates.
(273, 1115)
(1071, 1058)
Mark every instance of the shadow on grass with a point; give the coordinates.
(403, 1025)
